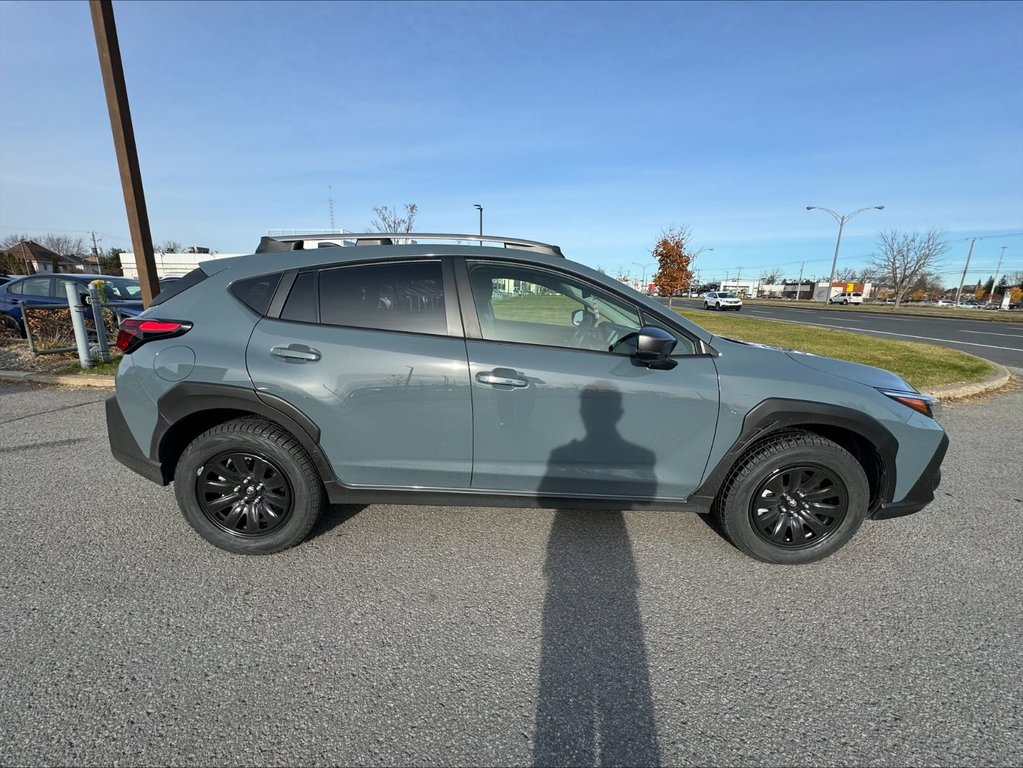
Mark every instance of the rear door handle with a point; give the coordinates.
(296, 353)
(501, 377)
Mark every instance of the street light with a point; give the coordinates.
(841, 219)
(644, 267)
(479, 208)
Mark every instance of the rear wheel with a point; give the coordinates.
(795, 498)
(10, 325)
(248, 486)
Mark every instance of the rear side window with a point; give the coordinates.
(393, 297)
(301, 304)
(173, 289)
(256, 292)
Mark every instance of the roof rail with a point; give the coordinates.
(274, 243)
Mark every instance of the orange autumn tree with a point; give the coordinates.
(674, 261)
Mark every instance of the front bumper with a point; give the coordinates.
(922, 492)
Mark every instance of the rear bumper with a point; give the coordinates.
(922, 492)
(125, 449)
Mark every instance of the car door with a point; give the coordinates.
(558, 414)
(374, 355)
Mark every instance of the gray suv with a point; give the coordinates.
(420, 369)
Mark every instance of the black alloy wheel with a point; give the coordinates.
(799, 506)
(244, 493)
(248, 486)
(793, 498)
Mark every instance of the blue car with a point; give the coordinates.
(49, 288)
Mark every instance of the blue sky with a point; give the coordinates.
(590, 125)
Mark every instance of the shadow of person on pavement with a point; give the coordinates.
(595, 703)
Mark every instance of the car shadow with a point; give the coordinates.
(333, 516)
(595, 705)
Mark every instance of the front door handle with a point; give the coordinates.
(501, 377)
(296, 353)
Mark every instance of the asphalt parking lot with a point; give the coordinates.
(427, 635)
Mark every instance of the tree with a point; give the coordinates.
(12, 265)
(171, 246)
(392, 221)
(902, 256)
(674, 260)
(110, 263)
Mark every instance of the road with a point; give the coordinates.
(1000, 342)
(427, 635)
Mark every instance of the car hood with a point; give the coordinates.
(878, 378)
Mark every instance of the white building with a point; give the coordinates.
(171, 264)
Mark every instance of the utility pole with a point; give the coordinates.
(799, 286)
(95, 249)
(124, 145)
(962, 280)
(994, 281)
(330, 198)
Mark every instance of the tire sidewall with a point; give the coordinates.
(735, 507)
(306, 496)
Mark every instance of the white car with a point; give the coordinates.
(846, 298)
(722, 300)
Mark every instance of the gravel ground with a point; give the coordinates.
(16, 356)
(426, 635)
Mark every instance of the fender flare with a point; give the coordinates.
(775, 415)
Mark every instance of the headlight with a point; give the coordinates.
(925, 404)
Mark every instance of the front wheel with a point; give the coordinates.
(248, 486)
(795, 498)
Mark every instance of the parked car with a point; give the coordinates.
(49, 288)
(851, 297)
(265, 386)
(722, 300)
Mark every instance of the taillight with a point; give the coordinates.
(136, 331)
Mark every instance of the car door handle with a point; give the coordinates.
(296, 353)
(500, 377)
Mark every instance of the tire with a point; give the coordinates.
(845, 303)
(783, 528)
(706, 305)
(278, 496)
(11, 325)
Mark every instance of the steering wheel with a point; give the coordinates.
(582, 331)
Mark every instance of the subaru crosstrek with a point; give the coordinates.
(417, 369)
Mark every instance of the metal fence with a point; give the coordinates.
(49, 329)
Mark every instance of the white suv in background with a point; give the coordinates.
(722, 300)
(846, 298)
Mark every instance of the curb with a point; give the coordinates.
(996, 380)
(64, 380)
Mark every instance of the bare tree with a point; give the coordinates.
(13, 265)
(674, 259)
(771, 276)
(171, 246)
(391, 221)
(903, 256)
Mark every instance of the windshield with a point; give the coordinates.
(727, 295)
(123, 289)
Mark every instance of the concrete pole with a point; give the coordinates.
(74, 302)
(962, 279)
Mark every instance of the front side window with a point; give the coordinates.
(406, 296)
(536, 306)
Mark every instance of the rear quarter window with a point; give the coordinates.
(256, 292)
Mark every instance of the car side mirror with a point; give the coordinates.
(650, 347)
(577, 317)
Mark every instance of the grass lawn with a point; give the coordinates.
(922, 365)
(97, 369)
